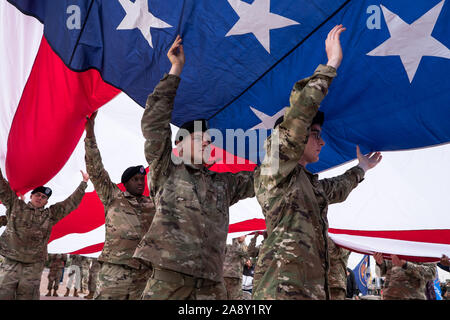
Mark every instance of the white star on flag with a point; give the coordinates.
(412, 41)
(256, 18)
(138, 16)
(267, 122)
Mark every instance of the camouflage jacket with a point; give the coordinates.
(235, 258)
(56, 265)
(76, 260)
(253, 250)
(28, 229)
(127, 218)
(189, 231)
(406, 283)
(338, 266)
(95, 266)
(293, 263)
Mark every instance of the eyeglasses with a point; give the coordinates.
(316, 135)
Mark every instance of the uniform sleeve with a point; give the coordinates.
(61, 209)
(252, 250)
(103, 185)
(155, 126)
(287, 142)
(241, 185)
(7, 195)
(425, 271)
(338, 188)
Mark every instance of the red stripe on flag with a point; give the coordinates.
(89, 215)
(439, 236)
(247, 225)
(50, 119)
(91, 249)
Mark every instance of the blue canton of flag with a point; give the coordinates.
(362, 274)
(244, 56)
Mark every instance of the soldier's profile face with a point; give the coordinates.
(314, 145)
(38, 200)
(196, 148)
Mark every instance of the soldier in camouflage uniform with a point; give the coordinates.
(186, 241)
(233, 266)
(24, 241)
(293, 262)
(93, 276)
(338, 271)
(128, 216)
(405, 280)
(74, 277)
(253, 250)
(86, 262)
(55, 273)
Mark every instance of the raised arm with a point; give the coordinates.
(61, 209)
(7, 195)
(156, 119)
(241, 186)
(338, 188)
(105, 188)
(286, 145)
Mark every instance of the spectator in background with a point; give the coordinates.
(247, 279)
(405, 279)
(444, 264)
(56, 269)
(74, 274)
(235, 257)
(93, 276)
(352, 287)
(338, 271)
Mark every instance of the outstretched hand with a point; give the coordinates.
(378, 257)
(89, 126)
(333, 46)
(85, 176)
(176, 56)
(369, 161)
(396, 261)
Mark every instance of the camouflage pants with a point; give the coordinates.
(53, 279)
(119, 282)
(84, 278)
(234, 288)
(175, 290)
(92, 283)
(337, 293)
(20, 281)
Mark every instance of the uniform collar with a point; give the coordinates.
(313, 177)
(32, 207)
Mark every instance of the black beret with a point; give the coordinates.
(191, 127)
(318, 119)
(131, 172)
(45, 190)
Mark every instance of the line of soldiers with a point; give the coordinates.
(172, 245)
